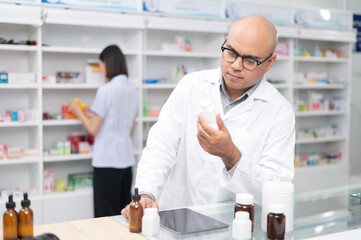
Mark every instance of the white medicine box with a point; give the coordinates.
(21, 77)
(93, 74)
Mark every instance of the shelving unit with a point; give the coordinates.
(66, 38)
(320, 140)
(64, 122)
(338, 70)
(72, 157)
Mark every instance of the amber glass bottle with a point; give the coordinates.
(135, 214)
(26, 219)
(10, 221)
(276, 222)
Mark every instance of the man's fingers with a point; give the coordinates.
(206, 128)
(201, 131)
(125, 211)
(146, 203)
(220, 124)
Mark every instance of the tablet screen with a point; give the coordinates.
(184, 220)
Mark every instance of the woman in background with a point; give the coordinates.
(112, 123)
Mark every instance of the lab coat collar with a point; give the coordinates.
(262, 92)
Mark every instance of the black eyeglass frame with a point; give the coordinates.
(237, 55)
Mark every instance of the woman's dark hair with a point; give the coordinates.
(114, 61)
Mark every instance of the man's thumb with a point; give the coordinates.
(220, 123)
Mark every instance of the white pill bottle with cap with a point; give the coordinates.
(242, 226)
(150, 222)
(280, 193)
(207, 112)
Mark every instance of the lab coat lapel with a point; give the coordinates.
(262, 92)
(240, 108)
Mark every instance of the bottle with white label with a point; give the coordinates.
(208, 113)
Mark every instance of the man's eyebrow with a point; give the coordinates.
(248, 56)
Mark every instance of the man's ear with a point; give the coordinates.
(270, 62)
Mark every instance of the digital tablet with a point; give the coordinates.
(184, 220)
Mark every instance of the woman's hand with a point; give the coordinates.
(75, 108)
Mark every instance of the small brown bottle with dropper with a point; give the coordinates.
(10, 221)
(135, 214)
(26, 219)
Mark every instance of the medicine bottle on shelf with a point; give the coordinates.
(150, 222)
(244, 202)
(26, 219)
(10, 221)
(241, 226)
(135, 214)
(276, 222)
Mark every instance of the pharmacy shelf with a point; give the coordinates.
(78, 50)
(320, 86)
(13, 47)
(159, 86)
(319, 167)
(72, 157)
(321, 59)
(149, 119)
(65, 122)
(18, 86)
(319, 113)
(20, 124)
(182, 54)
(19, 161)
(70, 194)
(70, 86)
(320, 140)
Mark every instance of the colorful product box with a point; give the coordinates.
(31, 153)
(3, 151)
(80, 180)
(21, 116)
(15, 152)
(68, 77)
(60, 185)
(48, 181)
(15, 116)
(93, 74)
(3, 77)
(75, 139)
(84, 147)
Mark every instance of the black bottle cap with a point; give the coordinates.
(136, 196)
(26, 201)
(10, 203)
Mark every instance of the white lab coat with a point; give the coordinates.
(178, 172)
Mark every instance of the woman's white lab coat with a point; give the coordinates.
(178, 172)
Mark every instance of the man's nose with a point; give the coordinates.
(238, 64)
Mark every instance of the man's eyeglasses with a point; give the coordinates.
(248, 63)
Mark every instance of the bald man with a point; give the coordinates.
(187, 162)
